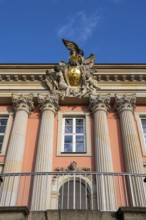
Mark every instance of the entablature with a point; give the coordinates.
(111, 79)
(102, 72)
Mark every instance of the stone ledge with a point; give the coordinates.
(78, 214)
(71, 215)
(23, 209)
(131, 213)
(22, 213)
(14, 213)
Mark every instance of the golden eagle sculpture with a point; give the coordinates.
(76, 54)
(73, 47)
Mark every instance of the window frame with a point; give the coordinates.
(74, 134)
(144, 166)
(138, 117)
(7, 131)
(87, 137)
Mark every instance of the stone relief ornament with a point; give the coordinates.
(72, 167)
(75, 78)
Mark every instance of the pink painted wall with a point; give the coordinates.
(64, 161)
(116, 141)
(31, 142)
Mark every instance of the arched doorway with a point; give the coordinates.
(74, 195)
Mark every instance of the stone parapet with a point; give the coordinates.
(131, 213)
(22, 213)
(14, 213)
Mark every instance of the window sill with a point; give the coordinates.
(73, 154)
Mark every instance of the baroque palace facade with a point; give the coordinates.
(73, 139)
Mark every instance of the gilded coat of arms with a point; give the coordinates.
(75, 78)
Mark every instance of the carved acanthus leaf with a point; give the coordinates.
(125, 102)
(23, 102)
(48, 102)
(99, 102)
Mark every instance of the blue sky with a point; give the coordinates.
(31, 30)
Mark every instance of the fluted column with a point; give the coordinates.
(133, 160)
(14, 158)
(41, 199)
(103, 157)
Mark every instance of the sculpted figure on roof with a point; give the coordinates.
(75, 78)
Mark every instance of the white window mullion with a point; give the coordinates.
(63, 135)
(73, 140)
(74, 134)
(3, 127)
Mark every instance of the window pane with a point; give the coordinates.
(68, 121)
(68, 139)
(144, 125)
(68, 129)
(79, 147)
(3, 121)
(79, 129)
(144, 129)
(79, 121)
(80, 139)
(0, 146)
(2, 129)
(67, 147)
(1, 138)
(143, 121)
(145, 139)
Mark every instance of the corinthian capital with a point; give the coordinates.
(125, 102)
(99, 102)
(48, 102)
(23, 102)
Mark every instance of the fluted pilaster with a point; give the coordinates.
(14, 158)
(99, 106)
(103, 157)
(133, 160)
(48, 106)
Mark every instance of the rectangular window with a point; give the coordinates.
(143, 123)
(3, 125)
(73, 134)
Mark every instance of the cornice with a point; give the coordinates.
(27, 66)
(51, 65)
(111, 78)
(120, 66)
(105, 76)
(22, 77)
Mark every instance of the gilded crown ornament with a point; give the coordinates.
(75, 78)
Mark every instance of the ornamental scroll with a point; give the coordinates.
(75, 78)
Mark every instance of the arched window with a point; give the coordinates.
(74, 195)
